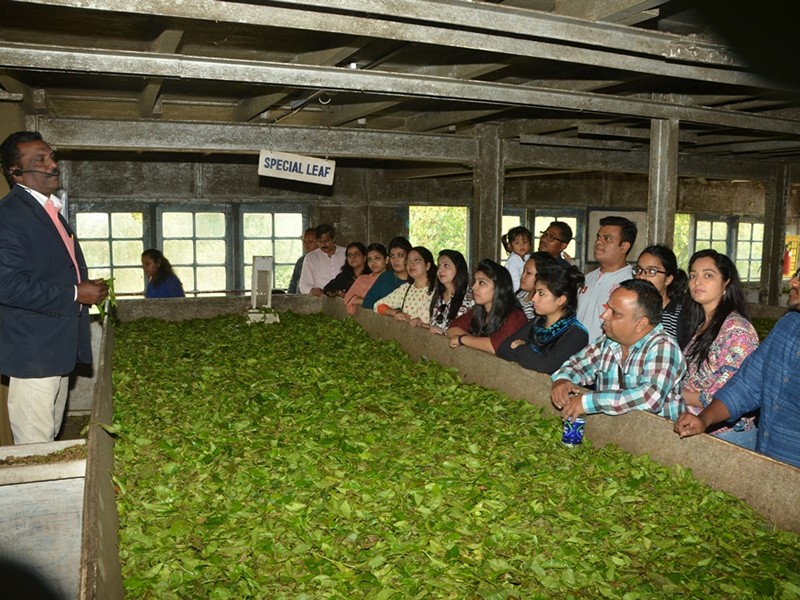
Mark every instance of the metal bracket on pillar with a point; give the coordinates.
(663, 181)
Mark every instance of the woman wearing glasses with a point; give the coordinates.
(412, 301)
(495, 315)
(555, 334)
(658, 265)
(451, 296)
(354, 266)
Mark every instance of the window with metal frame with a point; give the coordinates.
(276, 234)
(196, 245)
(112, 244)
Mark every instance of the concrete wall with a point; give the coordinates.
(371, 204)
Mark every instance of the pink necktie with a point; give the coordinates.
(51, 209)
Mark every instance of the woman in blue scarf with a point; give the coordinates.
(555, 334)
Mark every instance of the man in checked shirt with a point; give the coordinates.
(634, 366)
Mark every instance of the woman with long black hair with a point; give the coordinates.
(161, 279)
(411, 301)
(716, 337)
(452, 296)
(658, 265)
(555, 334)
(495, 315)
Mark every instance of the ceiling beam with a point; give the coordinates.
(149, 100)
(551, 157)
(56, 58)
(241, 138)
(461, 24)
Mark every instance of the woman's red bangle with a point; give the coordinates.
(382, 308)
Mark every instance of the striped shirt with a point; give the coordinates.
(650, 379)
(670, 317)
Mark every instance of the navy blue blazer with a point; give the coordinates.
(44, 331)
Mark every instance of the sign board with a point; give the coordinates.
(296, 166)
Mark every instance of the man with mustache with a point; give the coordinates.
(45, 292)
(769, 380)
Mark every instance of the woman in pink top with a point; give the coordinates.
(716, 337)
(376, 261)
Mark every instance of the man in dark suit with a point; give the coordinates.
(44, 291)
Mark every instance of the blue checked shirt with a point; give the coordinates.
(649, 380)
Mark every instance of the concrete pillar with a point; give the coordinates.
(487, 201)
(775, 204)
(663, 182)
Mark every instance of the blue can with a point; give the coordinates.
(573, 432)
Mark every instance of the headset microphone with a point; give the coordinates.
(53, 173)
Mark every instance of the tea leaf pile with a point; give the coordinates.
(305, 460)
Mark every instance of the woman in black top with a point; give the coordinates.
(555, 334)
(353, 268)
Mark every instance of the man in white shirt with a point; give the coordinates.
(614, 241)
(324, 263)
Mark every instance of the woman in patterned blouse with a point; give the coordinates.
(411, 301)
(716, 337)
(451, 295)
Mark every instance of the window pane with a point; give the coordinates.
(91, 225)
(438, 227)
(756, 251)
(257, 224)
(127, 252)
(211, 278)
(288, 225)
(210, 252)
(100, 272)
(129, 281)
(177, 224)
(719, 230)
(256, 248)
(703, 231)
(283, 275)
(96, 254)
(186, 275)
(720, 246)
(758, 231)
(179, 252)
(248, 273)
(210, 225)
(680, 243)
(288, 251)
(126, 225)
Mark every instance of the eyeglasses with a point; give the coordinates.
(549, 237)
(414, 261)
(648, 271)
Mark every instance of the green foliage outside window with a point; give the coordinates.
(438, 227)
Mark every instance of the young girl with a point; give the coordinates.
(495, 315)
(658, 265)
(451, 296)
(517, 243)
(555, 334)
(411, 301)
